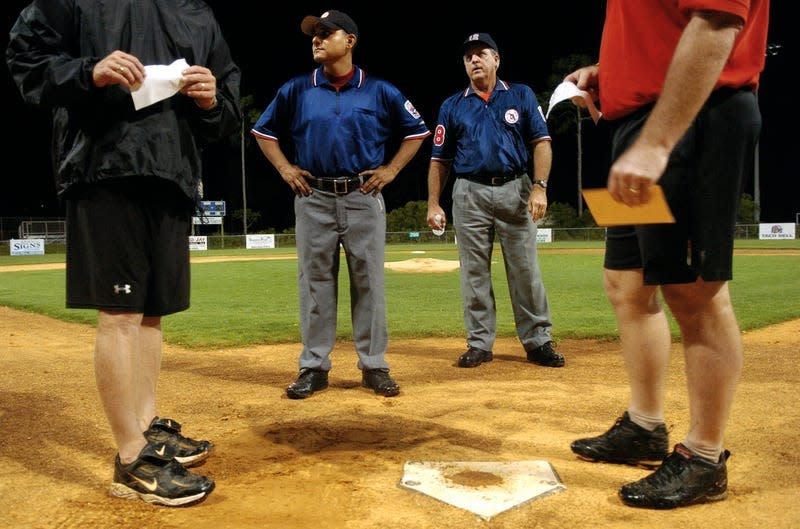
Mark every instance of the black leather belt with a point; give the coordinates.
(496, 179)
(341, 186)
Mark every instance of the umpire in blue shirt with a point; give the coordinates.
(493, 136)
(339, 121)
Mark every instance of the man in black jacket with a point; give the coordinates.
(129, 179)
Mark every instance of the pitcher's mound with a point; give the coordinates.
(422, 264)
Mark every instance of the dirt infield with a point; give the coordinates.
(335, 460)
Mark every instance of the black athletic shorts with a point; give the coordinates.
(128, 247)
(703, 184)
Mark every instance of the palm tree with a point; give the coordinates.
(250, 115)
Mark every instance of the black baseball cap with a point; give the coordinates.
(331, 19)
(476, 38)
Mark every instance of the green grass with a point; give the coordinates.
(237, 303)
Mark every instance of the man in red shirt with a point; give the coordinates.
(678, 80)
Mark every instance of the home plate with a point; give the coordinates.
(485, 488)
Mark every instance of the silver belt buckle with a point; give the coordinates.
(343, 182)
(497, 180)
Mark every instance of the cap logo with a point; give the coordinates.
(474, 36)
(325, 14)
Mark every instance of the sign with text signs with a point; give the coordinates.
(262, 240)
(780, 230)
(26, 247)
(212, 208)
(207, 221)
(198, 242)
(544, 235)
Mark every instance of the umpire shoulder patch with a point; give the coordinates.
(411, 110)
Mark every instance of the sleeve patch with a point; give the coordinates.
(411, 110)
(438, 135)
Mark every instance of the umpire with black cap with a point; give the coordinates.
(340, 123)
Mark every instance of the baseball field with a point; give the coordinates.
(336, 460)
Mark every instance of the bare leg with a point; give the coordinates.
(645, 339)
(117, 365)
(151, 340)
(713, 349)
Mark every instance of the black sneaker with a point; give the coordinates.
(682, 479)
(546, 356)
(474, 357)
(626, 442)
(156, 477)
(188, 452)
(379, 381)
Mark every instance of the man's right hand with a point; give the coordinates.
(586, 78)
(118, 68)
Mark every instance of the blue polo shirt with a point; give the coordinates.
(493, 137)
(336, 133)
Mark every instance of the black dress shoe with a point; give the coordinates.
(309, 381)
(474, 357)
(380, 382)
(546, 356)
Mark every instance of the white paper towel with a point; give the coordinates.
(160, 82)
(582, 98)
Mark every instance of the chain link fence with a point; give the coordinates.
(53, 232)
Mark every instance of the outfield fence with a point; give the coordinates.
(53, 231)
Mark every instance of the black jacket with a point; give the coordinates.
(97, 133)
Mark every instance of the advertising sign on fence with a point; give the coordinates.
(198, 242)
(261, 240)
(544, 235)
(27, 246)
(778, 230)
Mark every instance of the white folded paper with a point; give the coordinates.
(160, 82)
(582, 98)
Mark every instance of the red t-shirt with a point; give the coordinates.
(639, 39)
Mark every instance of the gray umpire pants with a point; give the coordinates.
(479, 213)
(357, 222)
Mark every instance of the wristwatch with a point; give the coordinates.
(542, 183)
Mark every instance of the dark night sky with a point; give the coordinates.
(415, 46)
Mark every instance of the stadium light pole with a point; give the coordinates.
(579, 134)
(580, 161)
(772, 50)
(244, 181)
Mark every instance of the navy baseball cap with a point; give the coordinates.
(479, 38)
(331, 19)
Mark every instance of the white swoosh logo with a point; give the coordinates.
(161, 451)
(149, 485)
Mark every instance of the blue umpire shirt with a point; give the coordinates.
(339, 133)
(492, 137)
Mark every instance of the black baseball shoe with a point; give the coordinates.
(682, 479)
(546, 356)
(379, 381)
(473, 357)
(188, 452)
(626, 442)
(156, 477)
(309, 381)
